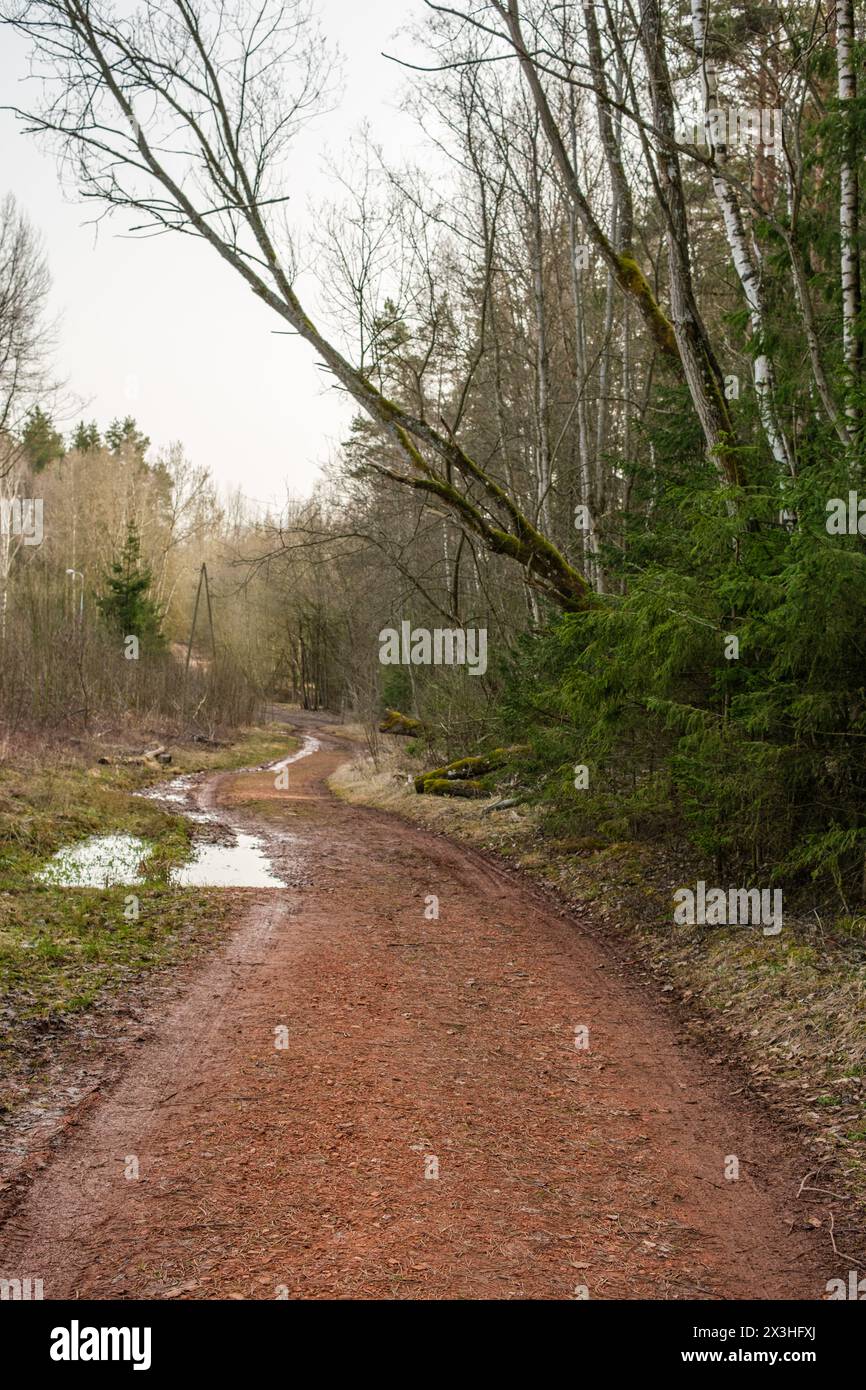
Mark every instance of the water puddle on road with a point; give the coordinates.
(245, 864)
(110, 860)
(309, 745)
(242, 865)
(103, 862)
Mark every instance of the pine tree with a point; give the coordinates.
(42, 442)
(126, 434)
(126, 604)
(86, 437)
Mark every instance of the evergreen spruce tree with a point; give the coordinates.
(86, 437)
(126, 434)
(42, 442)
(126, 605)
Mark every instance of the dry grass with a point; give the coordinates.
(390, 788)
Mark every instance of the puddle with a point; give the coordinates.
(102, 862)
(309, 745)
(176, 790)
(242, 865)
(179, 792)
(107, 860)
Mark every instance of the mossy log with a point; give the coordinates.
(443, 786)
(401, 725)
(476, 766)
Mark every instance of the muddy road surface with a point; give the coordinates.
(352, 1098)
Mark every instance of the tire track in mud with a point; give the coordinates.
(350, 1100)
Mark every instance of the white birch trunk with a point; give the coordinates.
(747, 271)
(849, 198)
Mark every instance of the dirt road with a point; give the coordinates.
(352, 1099)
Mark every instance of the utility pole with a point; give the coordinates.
(202, 582)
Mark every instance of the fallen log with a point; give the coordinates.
(502, 805)
(441, 786)
(153, 752)
(475, 766)
(151, 758)
(401, 725)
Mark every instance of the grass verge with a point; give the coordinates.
(64, 949)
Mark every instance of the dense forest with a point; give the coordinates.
(605, 345)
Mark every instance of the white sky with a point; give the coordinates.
(163, 330)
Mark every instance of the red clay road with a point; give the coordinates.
(429, 1128)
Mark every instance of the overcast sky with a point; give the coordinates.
(164, 330)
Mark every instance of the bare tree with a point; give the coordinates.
(183, 113)
(24, 335)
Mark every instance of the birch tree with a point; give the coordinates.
(748, 272)
(849, 204)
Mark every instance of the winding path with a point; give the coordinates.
(426, 1127)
